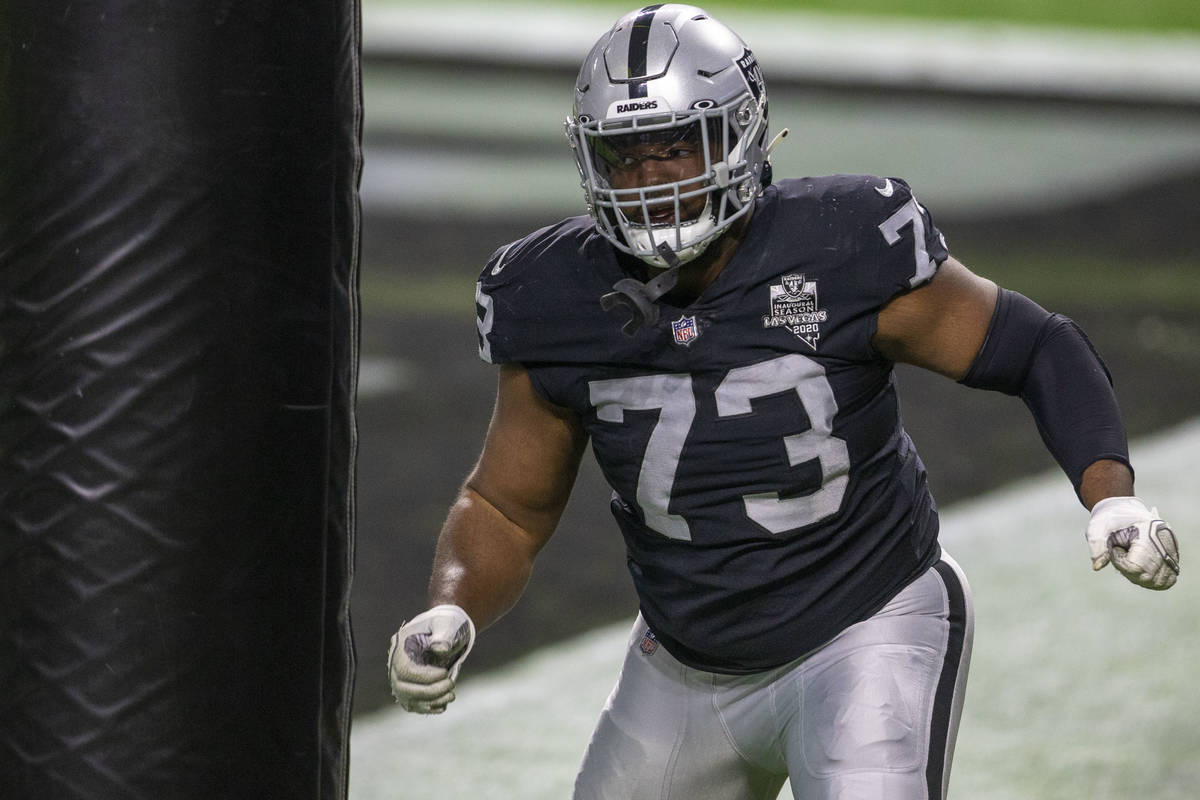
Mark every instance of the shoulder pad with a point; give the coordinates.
(534, 292)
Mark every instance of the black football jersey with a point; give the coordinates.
(767, 492)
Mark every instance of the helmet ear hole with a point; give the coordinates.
(745, 114)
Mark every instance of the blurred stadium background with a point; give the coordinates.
(1057, 146)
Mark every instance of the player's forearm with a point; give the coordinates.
(483, 560)
(1105, 478)
(1048, 361)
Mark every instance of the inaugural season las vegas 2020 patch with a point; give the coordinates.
(793, 305)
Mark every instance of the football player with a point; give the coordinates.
(726, 343)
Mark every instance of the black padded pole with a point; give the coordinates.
(178, 346)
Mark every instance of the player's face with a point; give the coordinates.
(634, 161)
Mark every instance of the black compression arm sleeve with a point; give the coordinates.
(1050, 363)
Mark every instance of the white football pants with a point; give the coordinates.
(872, 715)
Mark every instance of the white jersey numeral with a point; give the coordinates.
(807, 378)
(484, 323)
(908, 213)
(673, 398)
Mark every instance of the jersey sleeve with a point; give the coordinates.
(486, 290)
(911, 248)
(537, 299)
(515, 297)
(907, 248)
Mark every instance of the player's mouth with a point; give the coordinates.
(662, 212)
(662, 216)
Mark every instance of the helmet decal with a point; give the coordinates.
(751, 72)
(639, 50)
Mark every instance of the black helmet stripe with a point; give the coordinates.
(639, 47)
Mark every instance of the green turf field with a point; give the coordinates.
(1117, 14)
(1155, 15)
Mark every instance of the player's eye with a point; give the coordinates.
(615, 158)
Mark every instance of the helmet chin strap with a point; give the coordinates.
(640, 298)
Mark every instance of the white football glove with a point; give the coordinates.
(1139, 544)
(425, 657)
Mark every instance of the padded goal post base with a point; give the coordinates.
(179, 230)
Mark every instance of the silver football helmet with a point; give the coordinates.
(663, 74)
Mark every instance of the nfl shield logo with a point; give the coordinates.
(649, 643)
(684, 329)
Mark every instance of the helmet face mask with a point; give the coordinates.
(669, 84)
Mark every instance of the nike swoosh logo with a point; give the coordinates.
(500, 261)
(887, 189)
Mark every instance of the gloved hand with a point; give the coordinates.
(425, 657)
(1139, 544)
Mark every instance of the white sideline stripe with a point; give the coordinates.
(519, 731)
(983, 56)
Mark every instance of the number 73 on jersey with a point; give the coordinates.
(673, 397)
